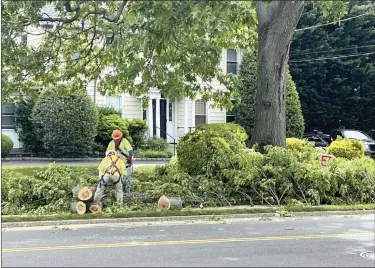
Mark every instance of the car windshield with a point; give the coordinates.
(351, 134)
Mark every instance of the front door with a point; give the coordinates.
(163, 118)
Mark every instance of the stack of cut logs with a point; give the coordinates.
(84, 201)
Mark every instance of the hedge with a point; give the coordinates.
(65, 121)
(6, 145)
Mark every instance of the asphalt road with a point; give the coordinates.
(9, 163)
(335, 241)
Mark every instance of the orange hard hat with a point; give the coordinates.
(116, 134)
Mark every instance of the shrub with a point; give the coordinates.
(6, 145)
(345, 148)
(108, 123)
(156, 144)
(351, 181)
(207, 152)
(108, 111)
(225, 130)
(66, 121)
(295, 124)
(245, 109)
(25, 127)
(299, 145)
(137, 130)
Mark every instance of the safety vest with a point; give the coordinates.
(112, 165)
(125, 148)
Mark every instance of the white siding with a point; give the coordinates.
(216, 115)
(95, 95)
(181, 117)
(132, 107)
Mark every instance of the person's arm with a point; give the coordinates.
(129, 150)
(110, 147)
(101, 169)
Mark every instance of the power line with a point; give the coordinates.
(321, 25)
(338, 57)
(332, 50)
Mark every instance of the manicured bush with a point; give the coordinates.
(25, 127)
(153, 154)
(295, 123)
(108, 123)
(345, 148)
(66, 121)
(225, 130)
(6, 145)
(137, 130)
(245, 109)
(156, 144)
(299, 145)
(207, 152)
(108, 111)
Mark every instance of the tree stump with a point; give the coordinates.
(96, 207)
(78, 207)
(83, 194)
(166, 203)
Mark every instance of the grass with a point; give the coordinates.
(214, 213)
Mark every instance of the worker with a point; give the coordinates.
(124, 150)
(110, 170)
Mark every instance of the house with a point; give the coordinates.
(165, 118)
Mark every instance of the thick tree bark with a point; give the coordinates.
(277, 21)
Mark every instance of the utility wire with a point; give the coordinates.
(338, 57)
(321, 25)
(332, 50)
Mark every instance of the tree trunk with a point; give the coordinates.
(277, 21)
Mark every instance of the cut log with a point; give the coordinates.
(176, 202)
(166, 203)
(96, 207)
(84, 194)
(143, 197)
(78, 207)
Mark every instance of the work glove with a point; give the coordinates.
(129, 160)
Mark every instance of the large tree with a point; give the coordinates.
(174, 45)
(245, 109)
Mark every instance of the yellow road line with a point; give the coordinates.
(186, 242)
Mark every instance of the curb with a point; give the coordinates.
(180, 218)
(73, 159)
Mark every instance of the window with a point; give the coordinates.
(231, 61)
(230, 117)
(170, 111)
(8, 116)
(200, 112)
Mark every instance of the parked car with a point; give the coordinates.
(317, 138)
(356, 135)
(372, 134)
